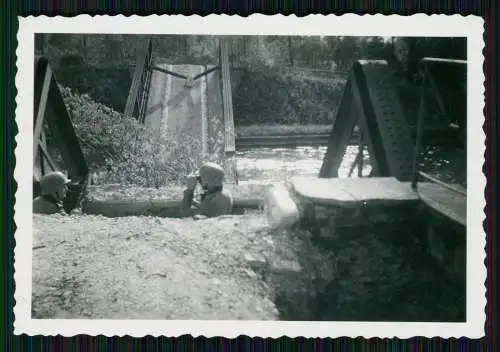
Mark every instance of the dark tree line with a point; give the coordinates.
(333, 53)
(102, 65)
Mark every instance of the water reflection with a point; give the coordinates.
(278, 164)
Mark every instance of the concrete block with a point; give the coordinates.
(281, 209)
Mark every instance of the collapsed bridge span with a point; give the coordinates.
(187, 103)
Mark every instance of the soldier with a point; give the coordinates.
(54, 187)
(215, 201)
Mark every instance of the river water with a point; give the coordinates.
(263, 165)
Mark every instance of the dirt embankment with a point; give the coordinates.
(156, 268)
(116, 200)
(232, 267)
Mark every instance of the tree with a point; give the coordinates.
(410, 50)
(375, 48)
(347, 50)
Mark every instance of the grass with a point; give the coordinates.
(280, 130)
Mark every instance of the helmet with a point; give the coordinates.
(53, 181)
(211, 175)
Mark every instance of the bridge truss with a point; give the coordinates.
(55, 144)
(371, 103)
(139, 97)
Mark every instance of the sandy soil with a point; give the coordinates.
(154, 268)
(232, 267)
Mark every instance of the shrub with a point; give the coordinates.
(261, 94)
(292, 129)
(268, 96)
(154, 161)
(103, 133)
(121, 150)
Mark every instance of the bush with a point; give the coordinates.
(121, 150)
(262, 94)
(266, 96)
(290, 129)
(156, 162)
(103, 133)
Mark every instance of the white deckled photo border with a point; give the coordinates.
(471, 27)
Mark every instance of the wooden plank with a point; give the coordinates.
(446, 202)
(227, 99)
(353, 191)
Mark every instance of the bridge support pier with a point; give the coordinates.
(363, 240)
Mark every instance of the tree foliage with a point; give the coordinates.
(104, 134)
(121, 49)
(123, 151)
(275, 78)
(104, 50)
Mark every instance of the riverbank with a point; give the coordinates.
(281, 130)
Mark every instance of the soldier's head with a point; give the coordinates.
(211, 176)
(54, 184)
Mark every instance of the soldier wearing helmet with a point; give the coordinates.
(54, 187)
(215, 201)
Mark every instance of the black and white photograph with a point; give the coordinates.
(265, 176)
